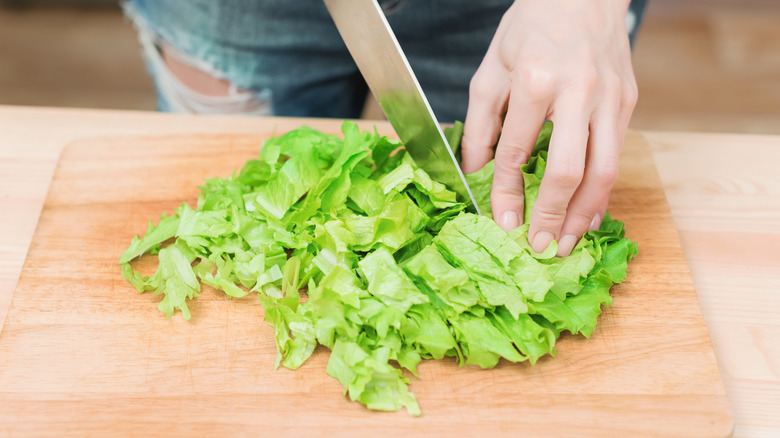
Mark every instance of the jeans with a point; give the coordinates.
(286, 58)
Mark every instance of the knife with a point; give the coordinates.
(379, 57)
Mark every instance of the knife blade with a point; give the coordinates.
(379, 57)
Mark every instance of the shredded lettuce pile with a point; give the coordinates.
(395, 270)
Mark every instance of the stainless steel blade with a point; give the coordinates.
(376, 51)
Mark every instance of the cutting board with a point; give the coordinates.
(83, 354)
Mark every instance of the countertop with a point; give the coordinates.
(723, 190)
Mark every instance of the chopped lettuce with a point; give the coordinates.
(395, 269)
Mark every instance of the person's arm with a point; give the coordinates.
(568, 61)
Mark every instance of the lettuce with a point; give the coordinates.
(395, 269)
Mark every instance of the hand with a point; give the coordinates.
(568, 61)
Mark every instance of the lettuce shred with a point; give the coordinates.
(394, 268)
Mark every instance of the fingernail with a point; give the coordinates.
(542, 240)
(566, 244)
(595, 224)
(509, 220)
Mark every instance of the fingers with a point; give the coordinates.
(607, 132)
(488, 97)
(524, 119)
(564, 172)
(588, 205)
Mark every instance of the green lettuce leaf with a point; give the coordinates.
(388, 282)
(368, 377)
(154, 236)
(395, 270)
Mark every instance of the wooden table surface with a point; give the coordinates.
(724, 192)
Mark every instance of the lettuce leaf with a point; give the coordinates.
(395, 270)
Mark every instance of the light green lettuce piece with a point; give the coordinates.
(451, 285)
(454, 135)
(367, 195)
(463, 252)
(440, 196)
(532, 180)
(277, 149)
(493, 281)
(292, 320)
(577, 313)
(428, 331)
(293, 331)
(296, 177)
(532, 277)
(387, 154)
(220, 193)
(481, 182)
(388, 282)
(420, 241)
(617, 250)
(225, 279)
(344, 283)
(533, 171)
(397, 225)
(568, 272)
(176, 280)
(334, 236)
(333, 186)
(368, 377)
(482, 343)
(543, 140)
(331, 316)
(383, 318)
(154, 236)
(397, 179)
(531, 339)
(136, 279)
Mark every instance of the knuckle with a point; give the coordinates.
(606, 176)
(630, 94)
(539, 82)
(512, 193)
(589, 77)
(612, 84)
(470, 143)
(579, 220)
(566, 175)
(480, 85)
(586, 80)
(510, 159)
(548, 214)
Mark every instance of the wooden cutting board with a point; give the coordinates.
(83, 354)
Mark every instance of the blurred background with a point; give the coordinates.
(701, 65)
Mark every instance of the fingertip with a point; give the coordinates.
(507, 207)
(567, 244)
(509, 220)
(541, 241)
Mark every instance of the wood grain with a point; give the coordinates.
(727, 211)
(82, 353)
